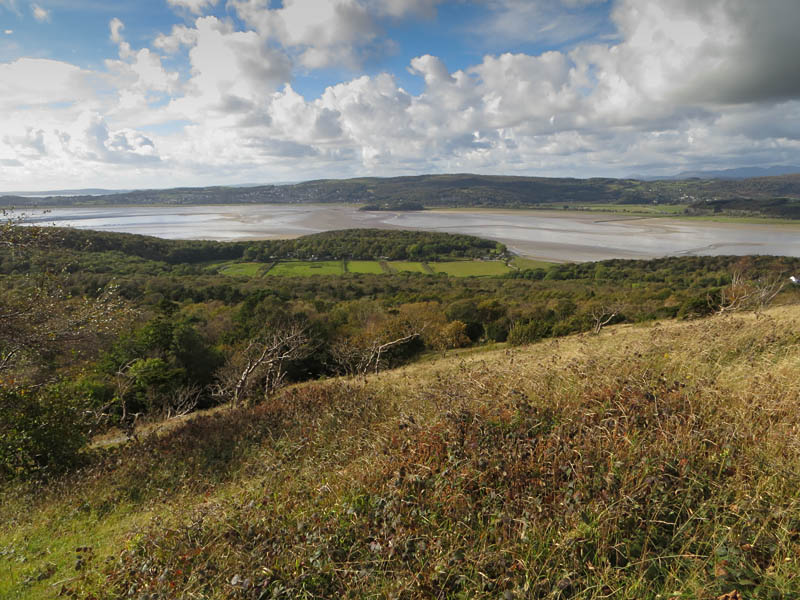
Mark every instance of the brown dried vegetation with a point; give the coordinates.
(638, 463)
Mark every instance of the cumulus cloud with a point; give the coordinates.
(728, 51)
(138, 73)
(90, 138)
(115, 27)
(684, 83)
(231, 65)
(179, 37)
(39, 81)
(321, 33)
(39, 13)
(8, 31)
(30, 143)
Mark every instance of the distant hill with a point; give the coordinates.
(457, 190)
(67, 193)
(740, 173)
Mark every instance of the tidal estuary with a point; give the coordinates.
(546, 235)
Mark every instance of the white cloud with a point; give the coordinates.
(174, 41)
(727, 51)
(8, 31)
(322, 33)
(31, 82)
(115, 27)
(683, 83)
(228, 65)
(543, 21)
(195, 6)
(139, 76)
(39, 13)
(89, 139)
(29, 144)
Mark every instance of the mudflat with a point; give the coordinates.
(545, 235)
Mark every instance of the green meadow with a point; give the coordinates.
(371, 267)
(471, 268)
(299, 268)
(245, 269)
(304, 268)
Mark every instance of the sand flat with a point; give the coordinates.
(541, 234)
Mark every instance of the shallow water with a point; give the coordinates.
(547, 235)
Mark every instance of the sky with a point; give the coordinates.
(162, 93)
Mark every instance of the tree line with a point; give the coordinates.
(367, 244)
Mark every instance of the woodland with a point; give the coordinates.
(134, 370)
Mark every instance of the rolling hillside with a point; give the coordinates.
(644, 462)
(459, 190)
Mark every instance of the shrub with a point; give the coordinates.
(528, 332)
(41, 430)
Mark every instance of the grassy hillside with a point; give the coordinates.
(658, 461)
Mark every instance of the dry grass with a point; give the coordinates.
(645, 462)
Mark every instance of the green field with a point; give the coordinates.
(408, 267)
(372, 267)
(302, 268)
(471, 268)
(297, 268)
(654, 210)
(530, 263)
(245, 269)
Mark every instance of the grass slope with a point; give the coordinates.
(645, 462)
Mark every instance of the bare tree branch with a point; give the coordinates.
(755, 294)
(264, 360)
(603, 315)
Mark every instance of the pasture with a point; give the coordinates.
(471, 268)
(303, 268)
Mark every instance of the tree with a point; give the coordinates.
(43, 328)
(603, 314)
(261, 363)
(39, 319)
(450, 335)
(379, 338)
(359, 358)
(756, 294)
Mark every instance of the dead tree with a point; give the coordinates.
(263, 359)
(359, 356)
(737, 295)
(361, 359)
(377, 350)
(603, 315)
(767, 288)
(183, 401)
(755, 294)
